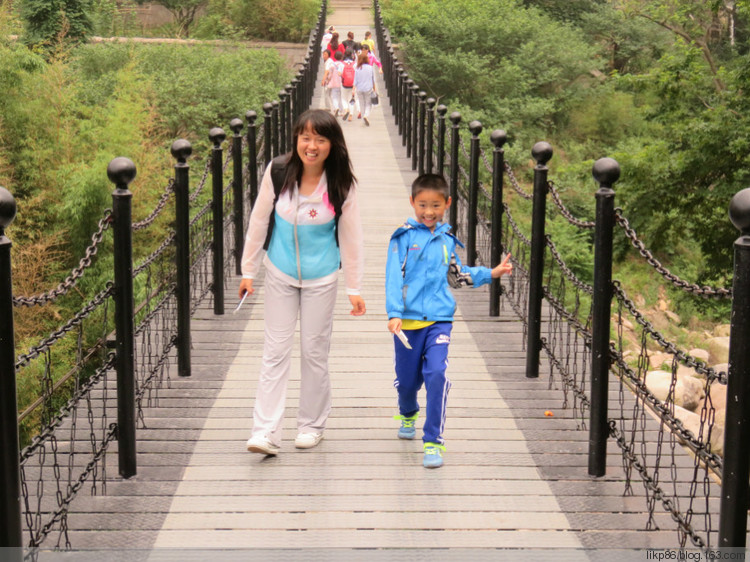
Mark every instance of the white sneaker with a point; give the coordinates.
(260, 444)
(307, 440)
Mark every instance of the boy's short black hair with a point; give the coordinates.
(433, 182)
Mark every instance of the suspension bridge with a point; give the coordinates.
(518, 461)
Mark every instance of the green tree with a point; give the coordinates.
(183, 11)
(48, 21)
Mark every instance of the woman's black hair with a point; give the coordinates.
(337, 166)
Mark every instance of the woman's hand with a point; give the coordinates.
(246, 286)
(358, 305)
(394, 325)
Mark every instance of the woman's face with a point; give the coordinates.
(312, 148)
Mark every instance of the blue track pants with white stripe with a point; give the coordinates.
(424, 364)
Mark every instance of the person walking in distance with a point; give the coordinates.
(306, 218)
(348, 70)
(364, 85)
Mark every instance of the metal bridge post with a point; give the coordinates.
(606, 171)
(11, 528)
(252, 155)
(414, 124)
(429, 136)
(471, 238)
(541, 152)
(267, 134)
(121, 171)
(282, 121)
(181, 150)
(402, 78)
(498, 139)
(734, 482)
(441, 111)
(455, 118)
(406, 140)
(238, 210)
(275, 126)
(218, 136)
(289, 119)
(421, 130)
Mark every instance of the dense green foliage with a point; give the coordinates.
(48, 21)
(183, 12)
(658, 85)
(64, 118)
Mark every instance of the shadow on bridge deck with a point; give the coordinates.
(513, 478)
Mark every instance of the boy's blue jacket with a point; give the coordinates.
(416, 283)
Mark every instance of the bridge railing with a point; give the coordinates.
(93, 377)
(594, 333)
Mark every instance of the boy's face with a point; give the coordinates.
(429, 207)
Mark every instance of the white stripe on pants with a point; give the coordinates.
(281, 307)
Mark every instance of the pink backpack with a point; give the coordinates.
(347, 76)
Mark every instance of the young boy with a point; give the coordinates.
(421, 264)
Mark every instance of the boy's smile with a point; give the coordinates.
(429, 207)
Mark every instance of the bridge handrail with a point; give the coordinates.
(579, 321)
(187, 265)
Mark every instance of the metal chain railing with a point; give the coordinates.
(564, 210)
(663, 271)
(70, 281)
(160, 206)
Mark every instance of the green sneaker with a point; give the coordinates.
(407, 429)
(433, 455)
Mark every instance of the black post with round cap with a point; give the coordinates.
(429, 134)
(252, 155)
(288, 117)
(736, 470)
(541, 152)
(471, 215)
(441, 111)
(606, 172)
(275, 127)
(455, 118)
(217, 136)
(181, 151)
(422, 95)
(267, 133)
(11, 533)
(121, 171)
(414, 125)
(282, 119)
(498, 139)
(238, 207)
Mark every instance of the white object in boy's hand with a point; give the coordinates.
(241, 301)
(400, 335)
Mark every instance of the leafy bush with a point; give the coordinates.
(274, 20)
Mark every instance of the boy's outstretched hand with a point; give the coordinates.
(505, 268)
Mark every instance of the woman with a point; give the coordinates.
(348, 69)
(334, 45)
(364, 84)
(315, 228)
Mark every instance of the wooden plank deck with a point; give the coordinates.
(513, 478)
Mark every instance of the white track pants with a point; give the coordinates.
(282, 305)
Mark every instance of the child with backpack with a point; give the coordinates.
(420, 266)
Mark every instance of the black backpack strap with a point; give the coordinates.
(278, 175)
